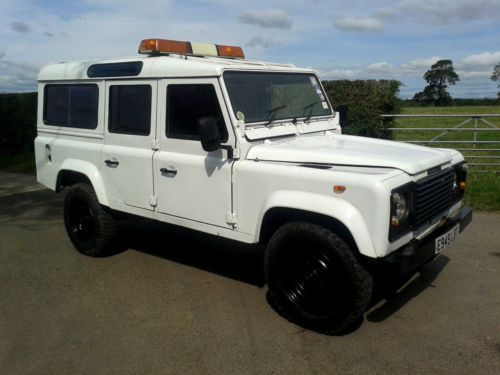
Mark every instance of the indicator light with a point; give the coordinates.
(339, 189)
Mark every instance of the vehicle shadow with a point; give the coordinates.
(244, 263)
(217, 255)
(391, 293)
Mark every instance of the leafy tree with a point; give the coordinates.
(495, 76)
(438, 77)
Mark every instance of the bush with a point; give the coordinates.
(366, 100)
(17, 122)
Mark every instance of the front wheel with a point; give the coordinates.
(90, 227)
(314, 278)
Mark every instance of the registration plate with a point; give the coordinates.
(447, 239)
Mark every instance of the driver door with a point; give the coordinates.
(189, 182)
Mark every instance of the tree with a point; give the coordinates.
(438, 77)
(495, 76)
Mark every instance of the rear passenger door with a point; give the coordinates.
(130, 128)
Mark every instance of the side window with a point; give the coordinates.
(130, 109)
(72, 106)
(186, 104)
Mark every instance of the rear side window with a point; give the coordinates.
(73, 106)
(130, 109)
(186, 104)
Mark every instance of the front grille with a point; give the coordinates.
(433, 195)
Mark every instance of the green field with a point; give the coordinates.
(483, 188)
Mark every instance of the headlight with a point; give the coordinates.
(400, 206)
(401, 211)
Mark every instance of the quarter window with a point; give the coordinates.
(130, 109)
(186, 104)
(72, 106)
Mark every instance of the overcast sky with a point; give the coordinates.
(392, 39)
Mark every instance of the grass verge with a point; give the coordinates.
(483, 191)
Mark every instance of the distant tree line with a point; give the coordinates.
(17, 122)
(456, 102)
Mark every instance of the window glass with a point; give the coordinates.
(130, 109)
(186, 104)
(266, 97)
(132, 68)
(71, 105)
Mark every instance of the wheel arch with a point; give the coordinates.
(335, 214)
(74, 171)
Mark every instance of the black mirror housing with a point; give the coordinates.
(342, 110)
(209, 133)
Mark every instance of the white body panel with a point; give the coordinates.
(350, 150)
(286, 165)
(263, 185)
(131, 181)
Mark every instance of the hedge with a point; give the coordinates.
(366, 100)
(17, 122)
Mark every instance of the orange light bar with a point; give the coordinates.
(230, 51)
(157, 46)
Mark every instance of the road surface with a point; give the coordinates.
(177, 302)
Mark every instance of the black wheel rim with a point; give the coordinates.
(81, 220)
(311, 279)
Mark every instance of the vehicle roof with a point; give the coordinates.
(172, 65)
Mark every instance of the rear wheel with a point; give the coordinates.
(314, 278)
(91, 228)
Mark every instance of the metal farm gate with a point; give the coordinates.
(476, 137)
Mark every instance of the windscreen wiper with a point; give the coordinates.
(273, 112)
(310, 106)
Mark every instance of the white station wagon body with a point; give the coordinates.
(265, 171)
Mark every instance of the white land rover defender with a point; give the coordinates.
(195, 135)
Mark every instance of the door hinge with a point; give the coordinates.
(231, 218)
(153, 200)
(155, 144)
(236, 153)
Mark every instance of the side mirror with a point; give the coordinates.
(209, 133)
(342, 110)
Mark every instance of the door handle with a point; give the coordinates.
(111, 162)
(168, 171)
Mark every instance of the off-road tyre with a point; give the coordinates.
(90, 226)
(314, 279)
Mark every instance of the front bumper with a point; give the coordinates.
(417, 253)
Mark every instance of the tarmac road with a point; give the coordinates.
(178, 302)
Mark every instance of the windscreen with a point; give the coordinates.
(267, 97)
